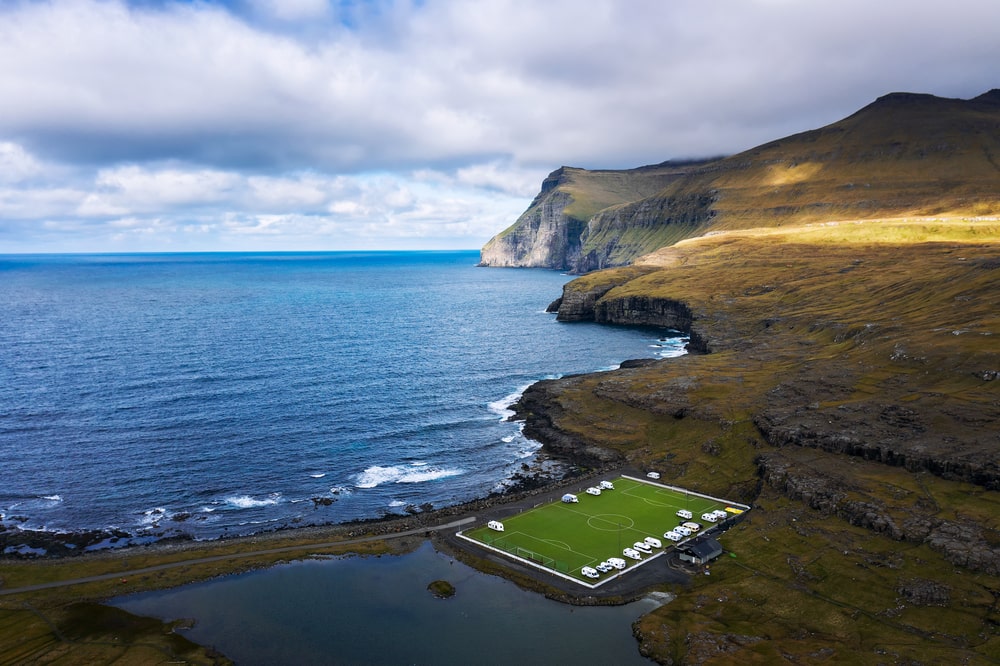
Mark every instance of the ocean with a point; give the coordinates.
(205, 395)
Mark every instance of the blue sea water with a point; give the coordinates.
(214, 394)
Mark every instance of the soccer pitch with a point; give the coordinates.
(565, 537)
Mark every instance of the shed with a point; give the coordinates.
(700, 551)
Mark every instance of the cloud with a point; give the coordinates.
(185, 113)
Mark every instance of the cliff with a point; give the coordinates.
(904, 154)
(550, 232)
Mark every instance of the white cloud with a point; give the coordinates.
(319, 114)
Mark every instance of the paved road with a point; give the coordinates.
(231, 556)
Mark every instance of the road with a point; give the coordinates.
(231, 556)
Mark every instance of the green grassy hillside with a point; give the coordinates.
(852, 394)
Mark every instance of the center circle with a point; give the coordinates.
(610, 522)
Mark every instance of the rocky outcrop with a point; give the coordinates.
(644, 311)
(962, 542)
(540, 409)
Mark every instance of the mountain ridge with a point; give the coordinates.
(902, 154)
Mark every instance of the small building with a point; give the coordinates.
(700, 551)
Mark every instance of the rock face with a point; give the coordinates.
(545, 236)
(551, 232)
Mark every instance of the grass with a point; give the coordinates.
(69, 626)
(882, 332)
(565, 537)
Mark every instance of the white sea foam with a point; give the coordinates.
(419, 472)
(396, 503)
(247, 502)
(53, 498)
(502, 407)
(318, 476)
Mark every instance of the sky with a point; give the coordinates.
(251, 125)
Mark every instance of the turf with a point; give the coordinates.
(564, 538)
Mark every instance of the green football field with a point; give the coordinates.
(564, 537)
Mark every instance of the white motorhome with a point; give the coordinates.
(607, 485)
(495, 525)
(593, 491)
(684, 513)
(569, 498)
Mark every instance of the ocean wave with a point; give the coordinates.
(248, 502)
(318, 476)
(502, 407)
(419, 472)
(52, 498)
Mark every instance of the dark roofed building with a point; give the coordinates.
(701, 550)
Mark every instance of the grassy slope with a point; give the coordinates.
(903, 155)
(828, 328)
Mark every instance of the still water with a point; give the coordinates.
(377, 610)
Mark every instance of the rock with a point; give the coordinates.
(442, 589)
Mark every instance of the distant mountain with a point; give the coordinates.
(903, 155)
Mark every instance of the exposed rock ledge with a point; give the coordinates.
(596, 303)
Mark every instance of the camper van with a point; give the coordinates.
(685, 514)
(593, 491)
(569, 498)
(616, 562)
(607, 485)
(495, 525)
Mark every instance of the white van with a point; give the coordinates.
(653, 542)
(673, 535)
(633, 553)
(653, 475)
(589, 572)
(709, 517)
(593, 491)
(607, 485)
(684, 513)
(616, 562)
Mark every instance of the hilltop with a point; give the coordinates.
(904, 154)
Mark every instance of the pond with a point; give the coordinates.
(378, 610)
